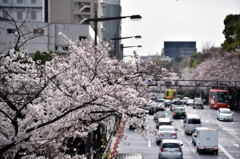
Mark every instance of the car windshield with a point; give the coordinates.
(226, 112)
(166, 129)
(223, 97)
(160, 113)
(194, 121)
(198, 100)
(180, 109)
(159, 109)
(171, 145)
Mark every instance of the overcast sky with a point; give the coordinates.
(175, 20)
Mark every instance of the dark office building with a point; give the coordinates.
(179, 48)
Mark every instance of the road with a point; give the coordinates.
(229, 137)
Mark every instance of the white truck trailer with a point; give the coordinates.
(206, 140)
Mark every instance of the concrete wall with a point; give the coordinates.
(60, 11)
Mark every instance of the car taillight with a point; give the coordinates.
(180, 149)
(215, 148)
(159, 134)
(174, 134)
(162, 149)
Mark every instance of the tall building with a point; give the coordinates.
(23, 10)
(75, 12)
(44, 19)
(112, 28)
(174, 49)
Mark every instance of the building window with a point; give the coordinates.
(11, 31)
(65, 48)
(82, 38)
(5, 15)
(33, 15)
(38, 32)
(5, 1)
(19, 15)
(19, 1)
(33, 1)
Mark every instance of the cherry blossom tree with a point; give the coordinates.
(224, 67)
(42, 105)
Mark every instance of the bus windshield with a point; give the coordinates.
(222, 97)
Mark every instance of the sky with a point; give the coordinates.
(175, 20)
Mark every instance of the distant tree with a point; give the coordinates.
(231, 32)
(42, 57)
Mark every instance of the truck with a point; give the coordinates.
(170, 93)
(206, 140)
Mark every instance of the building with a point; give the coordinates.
(112, 28)
(174, 49)
(42, 20)
(23, 10)
(42, 36)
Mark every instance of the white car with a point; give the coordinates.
(190, 102)
(224, 114)
(165, 132)
(171, 148)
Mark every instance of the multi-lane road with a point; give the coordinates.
(229, 137)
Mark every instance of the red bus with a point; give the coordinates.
(218, 98)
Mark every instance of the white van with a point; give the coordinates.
(191, 122)
(205, 140)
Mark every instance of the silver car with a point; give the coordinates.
(224, 114)
(171, 148)
(165, 132)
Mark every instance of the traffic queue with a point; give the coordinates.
(203, 138)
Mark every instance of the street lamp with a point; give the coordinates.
(128, 37)
(120, 38)
(131, 46)
(96, 19)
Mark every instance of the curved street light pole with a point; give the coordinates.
(96, 19)
(120, 38)
(131, 46)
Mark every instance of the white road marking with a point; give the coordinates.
(207, 121)
(225, 152)
(232, 132)
(149, 143)
(237, 145)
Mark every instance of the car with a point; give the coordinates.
(171, 148)
(129, 156)
(155, 109)
(165, 132)
(224, 114)
(167, 102)
(160, 114)
(179, 112)
(177, 103)
(160, 101)
(190, 102)
(198, 103)
(184, 100)
(191, 122)
(163, 121)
